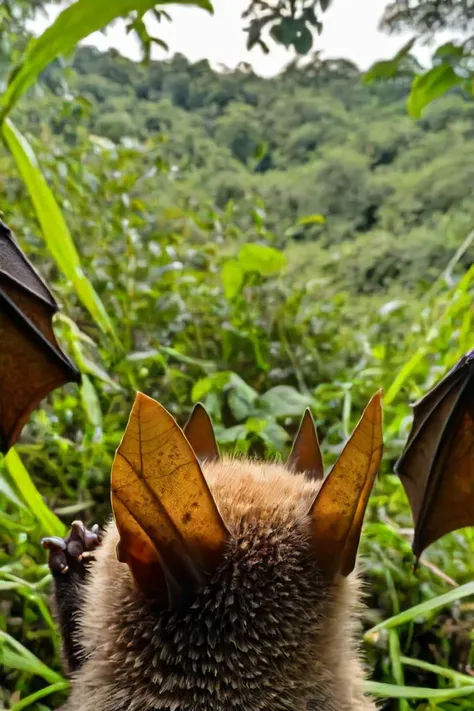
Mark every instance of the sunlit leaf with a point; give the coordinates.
(312, 220)
(430, 86)
(260, 258)
(232, 278)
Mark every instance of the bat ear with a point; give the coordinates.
(171, 532)
(306, 455)
(338, 510)
(200, 434)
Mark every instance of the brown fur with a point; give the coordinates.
(267, 632)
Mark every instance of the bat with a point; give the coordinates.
(31, 361)
(437, 464)
(221, 582)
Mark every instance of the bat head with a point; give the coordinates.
(232, 585)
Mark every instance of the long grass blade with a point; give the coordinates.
(393, 691)
(50, 523)
(53, 224)
(421, 609)
(15, 656)
(47, 691)
(454, 676)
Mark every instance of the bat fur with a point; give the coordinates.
(267, 632)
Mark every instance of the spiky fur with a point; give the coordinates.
(267, 632)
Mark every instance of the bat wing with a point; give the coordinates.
(31, 361)
(437, 465)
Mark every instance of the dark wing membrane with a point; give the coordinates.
(427, 404)
(415, 466)
(31, 361)
(435, 466)
(14, 264)
(449, 501)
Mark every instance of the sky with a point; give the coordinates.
(350, 31)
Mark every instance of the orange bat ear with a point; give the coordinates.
(306, 454)
(171, 532)
(200, 434)
(338, 511)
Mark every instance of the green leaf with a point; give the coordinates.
(285, 401)
(450, 50)
(232, 278)
(15, 656)
(50, 523)
(53, 224)
(421, 610)
(393, 691)
(262, 259)
(11, 524)
(232, 434)
(240, 405)
(40, 694)
(6, 490)
(256, 425)
(183, 358)
(217, 381)
(312, 220)
(303, 40)
(90, 403)
(456, 677)
(430, 86)
(33, 666)
(284, 32)
(74, 24)
(388, 68)
(275, 436)
(201, 389)
(310, 16)
(9, 585)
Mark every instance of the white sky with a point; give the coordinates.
(350, 31)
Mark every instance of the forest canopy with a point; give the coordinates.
(393, 202)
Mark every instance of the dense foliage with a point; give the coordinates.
(261, 246)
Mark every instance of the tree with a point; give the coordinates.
(239, 131)
(428, 16)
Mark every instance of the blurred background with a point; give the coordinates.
(261, 213)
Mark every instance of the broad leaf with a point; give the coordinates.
(285, 401)
(262, 259)
(430, 86)
(389, 68)
(232, 278)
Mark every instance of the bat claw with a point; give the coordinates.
(78, 544)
